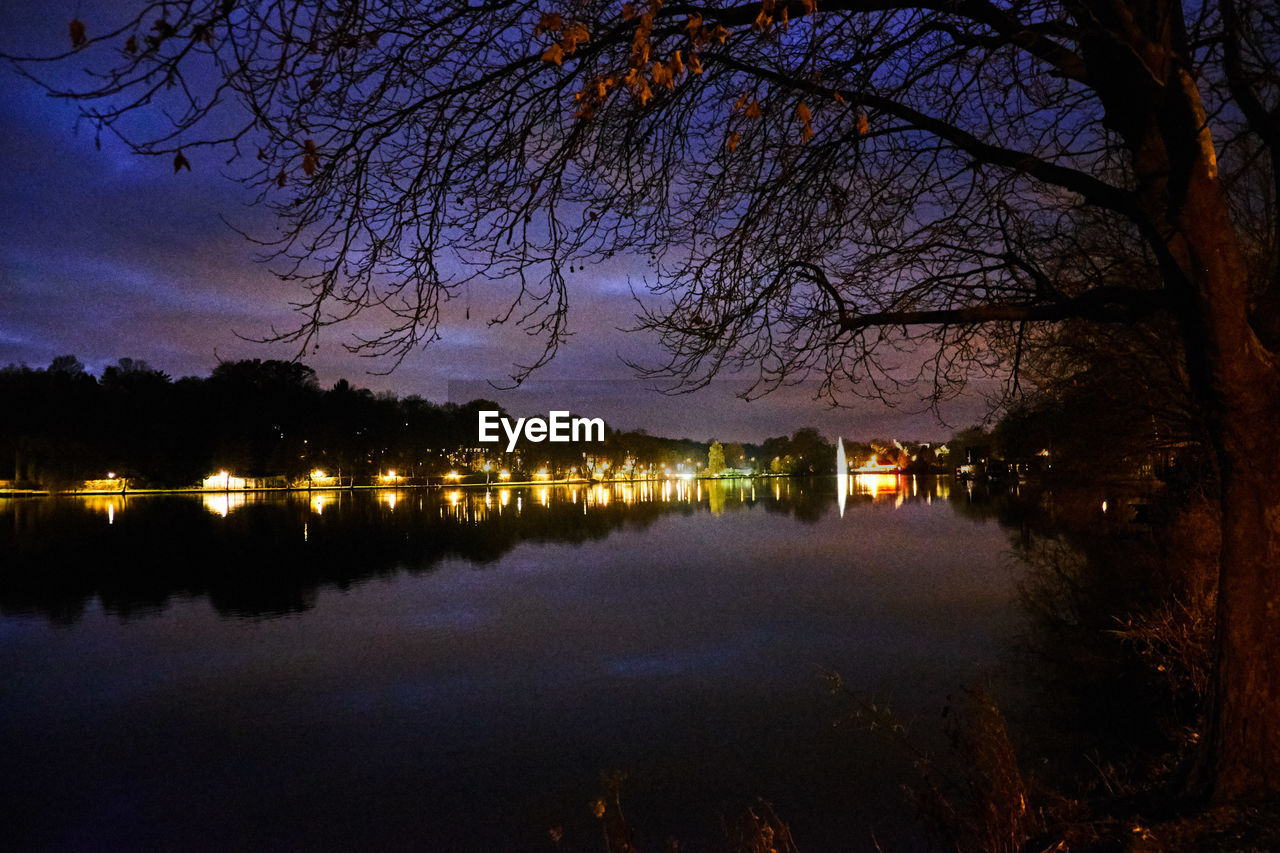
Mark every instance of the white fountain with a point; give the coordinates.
(842, 475)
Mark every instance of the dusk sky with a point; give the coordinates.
(105, 255)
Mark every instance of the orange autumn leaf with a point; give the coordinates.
(662, 76)
(863, 124)
(753, 109)
(732, 142)
(548, 23)
(802, 113)
(575, 35)
(555, 54)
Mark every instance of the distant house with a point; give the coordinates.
(223, 482)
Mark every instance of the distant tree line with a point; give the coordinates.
(256, 418)
(266, 418)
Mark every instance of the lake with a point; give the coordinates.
(454, 670)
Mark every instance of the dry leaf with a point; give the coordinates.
(863, 124)
(555, 54)
(131, 46)
(732, 142)
(662, 76)
(753, 109)
(802, 113)
(180, 162)
(549, 23)
(575, 35)
(282, 179)
(78, 37)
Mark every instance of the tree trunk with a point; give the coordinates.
(1238, 384)
(1244, 729)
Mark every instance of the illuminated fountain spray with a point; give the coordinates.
(842, 475)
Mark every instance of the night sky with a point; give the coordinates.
(105, 255)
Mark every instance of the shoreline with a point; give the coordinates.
(196, 490)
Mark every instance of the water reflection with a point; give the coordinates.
(470, 659)
(260, 553)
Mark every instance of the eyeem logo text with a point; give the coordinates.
(557, 427)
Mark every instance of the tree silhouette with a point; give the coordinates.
(819, 187)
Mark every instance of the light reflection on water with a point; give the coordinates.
(424, 669)
(476, 503)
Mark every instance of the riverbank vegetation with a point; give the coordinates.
(271, 421)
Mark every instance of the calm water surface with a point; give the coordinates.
(425, 670)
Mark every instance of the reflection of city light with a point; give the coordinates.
(454, 497)
(504, 497)
(221, 503)
(454, 475)
(318, 503)
(390, 498)
(504, 474)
